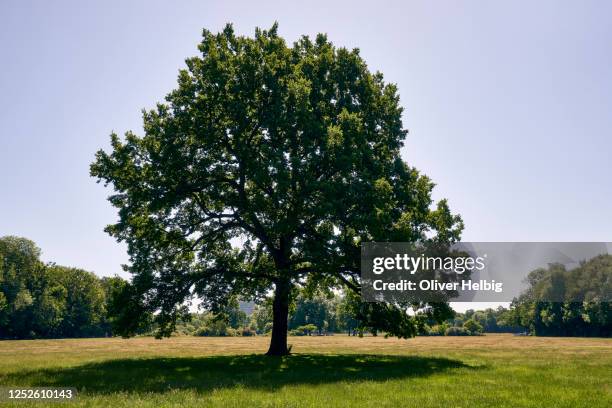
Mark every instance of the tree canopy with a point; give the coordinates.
(40, 300)
(264, 169)
(562, 302)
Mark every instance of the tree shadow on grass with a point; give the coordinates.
(202, 374)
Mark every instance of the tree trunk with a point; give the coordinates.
(280, 317)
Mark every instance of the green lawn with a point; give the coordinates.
(495, 370)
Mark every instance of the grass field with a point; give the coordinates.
(493, 370)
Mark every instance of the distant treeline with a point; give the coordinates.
(311, 314)
(473, 323)
(585, 311)
(40, 300)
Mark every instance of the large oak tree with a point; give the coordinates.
(265, 169)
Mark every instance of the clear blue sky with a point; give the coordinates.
(509, 105)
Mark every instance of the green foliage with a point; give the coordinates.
(473, 326)
(346, 315)
(583, 308)
(318, 311)
(491, 320)
(44, 301)
(305, 330)
(208, 325)
(261, 318)
(247, 332)
(236, 318)
(457, 331)
(473, 323)
(295, 150)
(84, 311)
(215, 328)
(231, 321)
(437, 330)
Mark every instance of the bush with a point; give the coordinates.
(185, 330)
(296, 332)
(424, 330)
(247, 332)
(229, 332)
(438, 330)
(305, 330)
(214, 328)
(473, 327)
(205, 332)
(219, 329)
(456, 331)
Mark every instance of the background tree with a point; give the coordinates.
(84, 308)
(231, 313)
(581, 305)
(22, 281)
(346, 312)
(38, 300)
(473, 326)
(317, 309)
(293, 151)
(261, 318)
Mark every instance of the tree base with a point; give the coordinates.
(278, 352)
